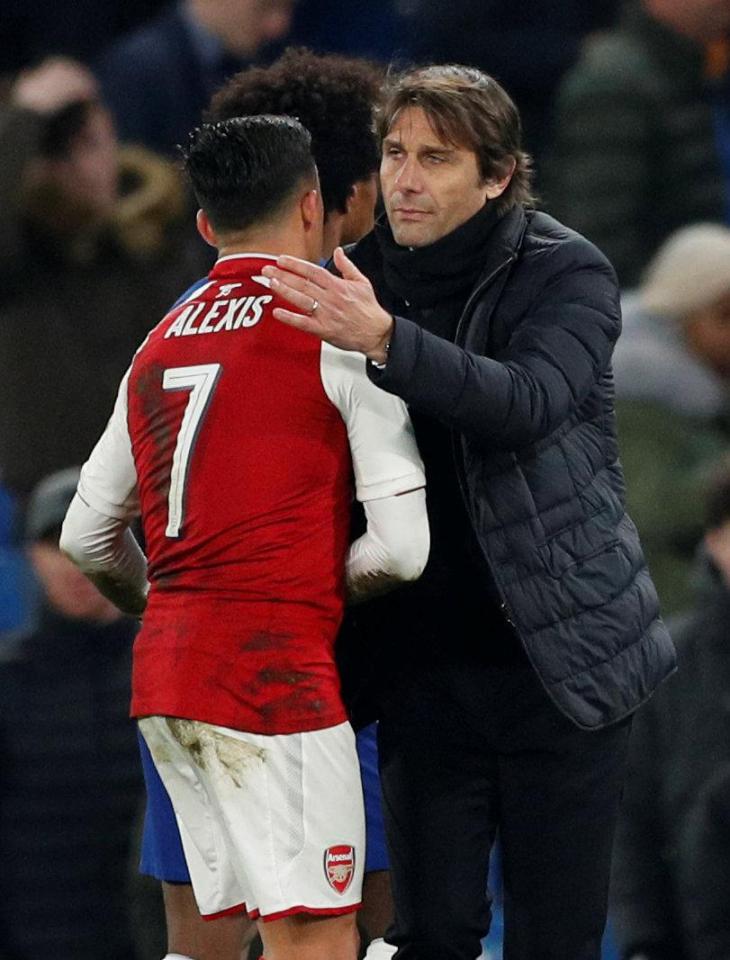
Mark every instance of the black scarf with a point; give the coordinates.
(424, 276)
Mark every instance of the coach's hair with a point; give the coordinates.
(244, 170)
(468, 109)
(332, 96)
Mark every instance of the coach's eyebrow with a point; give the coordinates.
(440, 148)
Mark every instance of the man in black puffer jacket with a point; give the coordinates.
(512, 668)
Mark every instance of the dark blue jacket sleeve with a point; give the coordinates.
(556, 353)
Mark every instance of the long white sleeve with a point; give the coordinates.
(389, 478)
(105, 549)
(385, 458)
(394, 547)
(95, 533)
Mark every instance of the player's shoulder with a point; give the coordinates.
(350, 360)
(343, 367)
(196, 289)
(347, 384)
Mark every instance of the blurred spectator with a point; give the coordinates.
(705, 865)
(375, 30)
(672, 371)
(31, 30)
(640, 127)
(158, 80)
(679, 740)
(526, 44)
(70, 781)
(14, 582)
(92, 252)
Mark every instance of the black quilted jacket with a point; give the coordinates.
(527, 391)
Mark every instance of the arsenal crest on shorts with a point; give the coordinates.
(339, 867)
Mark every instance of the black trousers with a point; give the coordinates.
(464, 752)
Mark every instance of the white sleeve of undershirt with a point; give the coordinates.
(389, 477)
(395, 544)
(95, 532)
(108, 481)
(385, 457)
(103, 545)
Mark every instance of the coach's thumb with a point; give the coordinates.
(347, 268)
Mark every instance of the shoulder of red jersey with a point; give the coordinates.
(234, 296)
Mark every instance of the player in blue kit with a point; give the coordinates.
(334, 98)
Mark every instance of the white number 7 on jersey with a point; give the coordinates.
(201, 381)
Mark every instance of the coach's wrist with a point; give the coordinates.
(379, 352)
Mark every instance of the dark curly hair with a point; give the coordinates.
(334, 97)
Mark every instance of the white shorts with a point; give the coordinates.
(270, 824)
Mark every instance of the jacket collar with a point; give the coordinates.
(505, 242)
(501, 254)
(504, 245)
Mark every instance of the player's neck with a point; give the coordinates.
(332, 234)
(275, 243)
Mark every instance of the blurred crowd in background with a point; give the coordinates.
(626, 110)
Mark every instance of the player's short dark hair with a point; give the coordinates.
(334, 97)
(467, 108)
(245, 169)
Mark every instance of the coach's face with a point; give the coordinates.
(429, 187)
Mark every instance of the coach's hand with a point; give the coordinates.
(341, 310)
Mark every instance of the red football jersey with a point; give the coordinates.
(235, 436)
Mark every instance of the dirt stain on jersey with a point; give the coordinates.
(215, 752)
(148, 387)
(291, 678)
(263, 640)
(162, 438)
(160, 424)
(166, 579)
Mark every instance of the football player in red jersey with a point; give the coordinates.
(334, 97)
(238, 442)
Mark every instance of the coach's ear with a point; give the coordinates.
(205, 228)
(497, 185)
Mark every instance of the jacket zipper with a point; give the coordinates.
(462, 489)
(480, 289)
